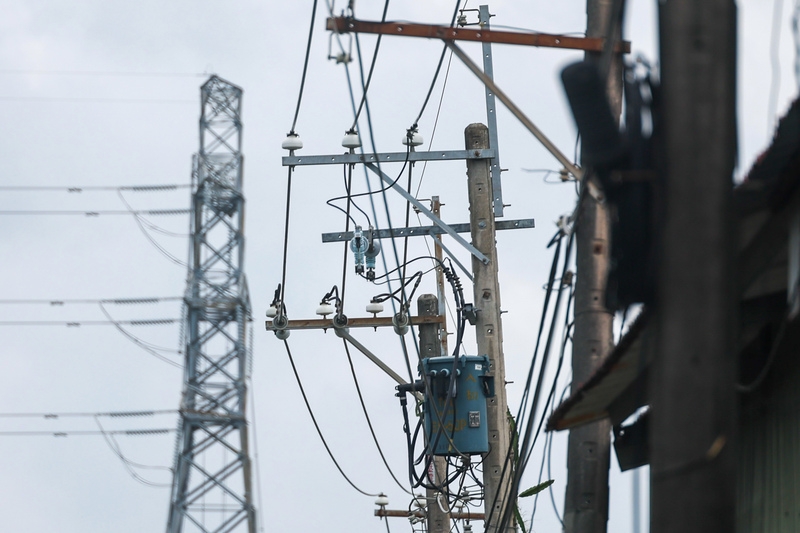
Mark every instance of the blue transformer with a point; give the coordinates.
(455, 400)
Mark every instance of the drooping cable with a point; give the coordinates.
(316, 425)
(365, 85)
(305, 66)
(149, 237)
(281, 307)
(438, 68)
(510, 461)
(130, 465)
(530, 438)
(369, 421)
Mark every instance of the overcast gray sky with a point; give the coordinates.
(106, 94)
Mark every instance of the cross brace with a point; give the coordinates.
(431, 31)
(427, 230)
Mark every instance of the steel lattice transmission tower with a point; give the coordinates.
(211, 489)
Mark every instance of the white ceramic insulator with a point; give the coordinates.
(272, 311)
(420, 501)
(282, 334)
(292, 142)
(351, 140)
(325, 309)
(415, 140)
(382, 501)
(374, 307)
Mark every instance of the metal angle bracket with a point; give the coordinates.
(391, 157)
(424, 231)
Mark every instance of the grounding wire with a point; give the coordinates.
(316, 425)
(305, 66)
(369, 422)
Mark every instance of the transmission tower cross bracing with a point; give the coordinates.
(211, 489)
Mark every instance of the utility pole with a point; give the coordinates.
(430, 346)
(588, 449)
(488, 326)
(693, 400)
(211, 486)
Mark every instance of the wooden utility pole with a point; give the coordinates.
(588, 450)
(430, 346)
(693, 402)
(488, 327)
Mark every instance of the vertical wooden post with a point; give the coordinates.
(693, 398)
(489, 330)
(430, 346)
(588, 449)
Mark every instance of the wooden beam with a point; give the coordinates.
(447, 33)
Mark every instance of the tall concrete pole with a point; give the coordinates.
(588, 450)
(693, 402)
(430, 346)
(488, 327)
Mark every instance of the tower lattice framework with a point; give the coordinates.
(211, 489)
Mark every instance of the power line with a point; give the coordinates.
(94, 100)
(146, 322)
(150, 212)
(114, 301)
(81, 188)
(126, 432)
(103, 73)
(314, 420)
(107, 414)
(305, 66)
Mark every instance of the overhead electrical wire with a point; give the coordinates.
(365, 85)
(529, 438)
(104, 73)
(94, 100)
(77, 323)
(316, 425)
(130, 465)
(81, 188)
(149, 212)
(126, 432)
(305, 66)
(116, 301)
(510, 462)
(106, 414)
(149, 237)
(369, 422)
(148, 347)
(438, 67)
